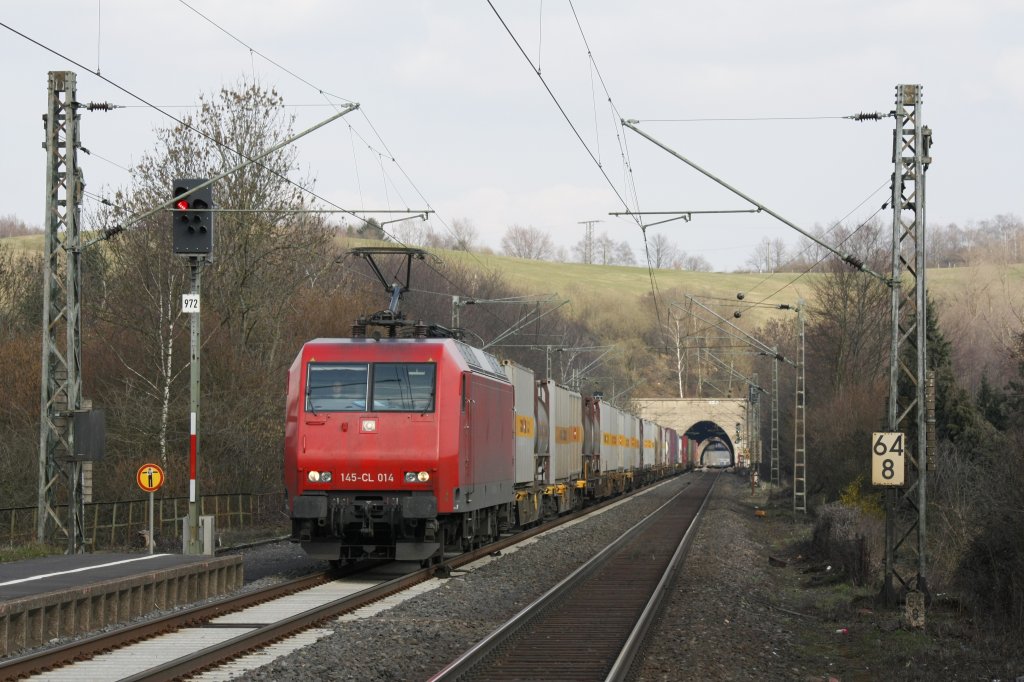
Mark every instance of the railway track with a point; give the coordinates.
(192, 640)
(621, 589)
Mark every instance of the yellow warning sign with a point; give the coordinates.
(150, 477)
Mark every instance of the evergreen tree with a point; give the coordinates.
(992, 404)
(957, 419)
(371, 229)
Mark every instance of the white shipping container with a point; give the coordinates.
(630, 441)
(611, 432)
(525, 421)
(566, 433)
(649, 443)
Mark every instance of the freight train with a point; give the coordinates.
(406, 448)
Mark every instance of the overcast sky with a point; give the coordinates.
(474, 131)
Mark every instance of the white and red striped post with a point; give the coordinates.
(195, 543)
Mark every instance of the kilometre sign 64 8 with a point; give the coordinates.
(887, 461)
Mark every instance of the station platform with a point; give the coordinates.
(60, 596)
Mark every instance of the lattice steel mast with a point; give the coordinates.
(775, 421)
(905, 508)
(800, 424)
(61, 392)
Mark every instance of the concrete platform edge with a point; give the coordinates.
(31, 621)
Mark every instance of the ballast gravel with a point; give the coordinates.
(420, 636)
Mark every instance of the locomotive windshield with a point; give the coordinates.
(386, 387)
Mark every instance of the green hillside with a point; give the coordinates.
(542, 276)
(29, 242)
(622, 285)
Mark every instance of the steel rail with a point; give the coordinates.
(623, 665)
(83, 649)
(494, 643)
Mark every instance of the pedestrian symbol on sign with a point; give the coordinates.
(150, 477)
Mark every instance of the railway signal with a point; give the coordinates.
(192, 222)
(192, 236)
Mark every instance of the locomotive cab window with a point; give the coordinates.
(337, 387)
(403, 387)
(384, 387)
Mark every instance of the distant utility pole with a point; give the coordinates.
(588, 240)
(905, 506)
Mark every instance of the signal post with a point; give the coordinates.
(192, 234)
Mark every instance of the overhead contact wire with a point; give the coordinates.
(558, 104)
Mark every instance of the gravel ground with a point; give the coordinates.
(720, 623)
(734, 616)
(420, 636)
(276, 562)
(731, 615)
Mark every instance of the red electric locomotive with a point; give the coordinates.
(404, 444)
(397, 447)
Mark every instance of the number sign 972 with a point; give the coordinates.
(190, 303)
(887, 461)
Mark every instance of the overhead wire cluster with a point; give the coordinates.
(163, 110)
(628, 196)
(629, 178)
(383, 153)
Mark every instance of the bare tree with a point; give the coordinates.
(582, 252)
(624, 254)
(604, 250)
(12, 226)
(464, 234)
(849, 325)
(527, 242)
(264, 254)
(411, 232)
(661, 251)
(607, 251)
(768, 256)
(21, 299)
(691, 262)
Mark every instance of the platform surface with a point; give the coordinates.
(58, 573)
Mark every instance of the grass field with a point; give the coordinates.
(621, 285)
(576, 281)
(29, 242)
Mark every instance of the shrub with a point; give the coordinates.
(851, 539)
(853, 495)
(992, 571)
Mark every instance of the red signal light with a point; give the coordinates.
(181, 205)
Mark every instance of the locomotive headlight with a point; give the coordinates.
(410, 476)
(313, 476)
(325, 477)
(423, 476)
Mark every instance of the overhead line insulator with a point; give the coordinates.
(869, 116)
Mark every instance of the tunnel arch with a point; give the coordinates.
(706, 432)
(703, 418)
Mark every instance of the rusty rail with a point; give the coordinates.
(622, 588)
(86, 648)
